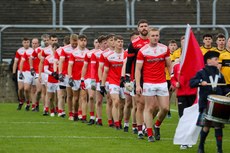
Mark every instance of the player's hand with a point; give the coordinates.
(32, 72)
(21, 76)
(71, 82)
(14, 77)
(55, 75)
(102, 90)
(61, 77)
(138, 90)
(93, 84)
(82, 85)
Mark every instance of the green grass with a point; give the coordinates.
(30, 132)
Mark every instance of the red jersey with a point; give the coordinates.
(57, 54)
(48, 63)
(36, 60)
(87, 60)
(46, 51)
(153, 59)
(133, 49)
(95, 64)
(18, 55)
(65, 53)
(115, 62)
(25, 57)
(77, 59)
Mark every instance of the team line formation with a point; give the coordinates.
(136, 82)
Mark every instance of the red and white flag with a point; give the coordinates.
(191, 62)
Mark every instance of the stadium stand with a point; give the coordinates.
(103, 12)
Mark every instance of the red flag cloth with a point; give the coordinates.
(192, 59)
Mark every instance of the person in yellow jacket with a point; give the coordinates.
(207, 44)
(224, 61)
(220, 43)
(172, 45)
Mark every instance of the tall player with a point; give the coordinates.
(152, 58)
(95, 82)
(113, 68)
(107, 52)
(76, 62)
(26, 75)
(61, 91)
(62, 69)
(17, 60)
(130, 105)
(34, 70)
(86, 76)
(133, 49)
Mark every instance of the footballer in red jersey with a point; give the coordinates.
(133, 49)
(16, 69)
(152, 59)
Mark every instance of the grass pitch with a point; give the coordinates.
(30, 132)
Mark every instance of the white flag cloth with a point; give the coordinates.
(187, 132)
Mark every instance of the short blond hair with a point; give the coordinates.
(74, 37)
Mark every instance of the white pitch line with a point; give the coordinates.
(173, 110)
(82, 137)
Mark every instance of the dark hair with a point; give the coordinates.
(110, 35)
(101, 38)
(135, 32)
(118, 37)
(220, 35)
(25, 39)
(82, 37)
(172, 41)
(207, 35)
(66, 40)
(142, 21)
(55, 45)
(53, 36)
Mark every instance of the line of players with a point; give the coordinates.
(81, 77)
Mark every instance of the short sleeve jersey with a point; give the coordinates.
(95, 64)
(115, 62)
(77, 59)
(153, 59)
(49, 62)
(36, 60)
(224, 59)
(18, 55)
(133, 49)
(65, 53)
(87, 60)
(25, 57)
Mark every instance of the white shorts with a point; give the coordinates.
(107, 86)
(19, 80)
(44, 78)
(155, 89)
(98, 87)
(52, 87)
(76, 85)
(28, 78)
(115, 89)
(87, 83)
(65, 82)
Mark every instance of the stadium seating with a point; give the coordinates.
(102, 12)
